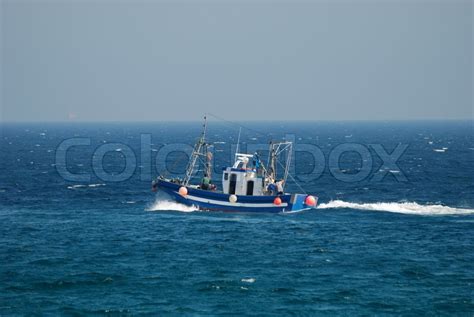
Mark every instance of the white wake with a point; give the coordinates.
(404, 208)
(166, 205)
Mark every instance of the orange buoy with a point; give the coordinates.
(183, 191)
(310, 201)
(277, 201)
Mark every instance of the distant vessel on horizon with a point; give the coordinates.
(247, 186)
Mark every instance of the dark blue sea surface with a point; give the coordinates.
(398, 244)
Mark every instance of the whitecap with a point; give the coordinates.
(96, 185)
(440, 150)
(403, 208)
(84, 186)
(248, 280)
(76, 186)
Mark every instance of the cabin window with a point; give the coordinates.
(250, 188)
(232, 183)
(226, 176)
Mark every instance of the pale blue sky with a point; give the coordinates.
(243, 60)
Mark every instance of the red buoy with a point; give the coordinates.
(310, 201)
(277, 201)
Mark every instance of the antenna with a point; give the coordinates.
(238, 142)
(205, 128)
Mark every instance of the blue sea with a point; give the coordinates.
(82, 233)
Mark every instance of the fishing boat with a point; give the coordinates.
(247, 186)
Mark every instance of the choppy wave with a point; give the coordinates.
(166, 205)
(403, 208)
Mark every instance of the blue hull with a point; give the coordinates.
(211, 200)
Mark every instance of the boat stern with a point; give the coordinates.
(300, 202)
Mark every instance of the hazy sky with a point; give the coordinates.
(105, 60)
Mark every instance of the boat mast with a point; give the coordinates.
(271, 162)
(197, 151)
(276, 149)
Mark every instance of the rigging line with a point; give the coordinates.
(237, 124)
(294, 180)
(176, 161)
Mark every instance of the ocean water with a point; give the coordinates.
(374, 246)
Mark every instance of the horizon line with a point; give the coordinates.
(249, 121)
